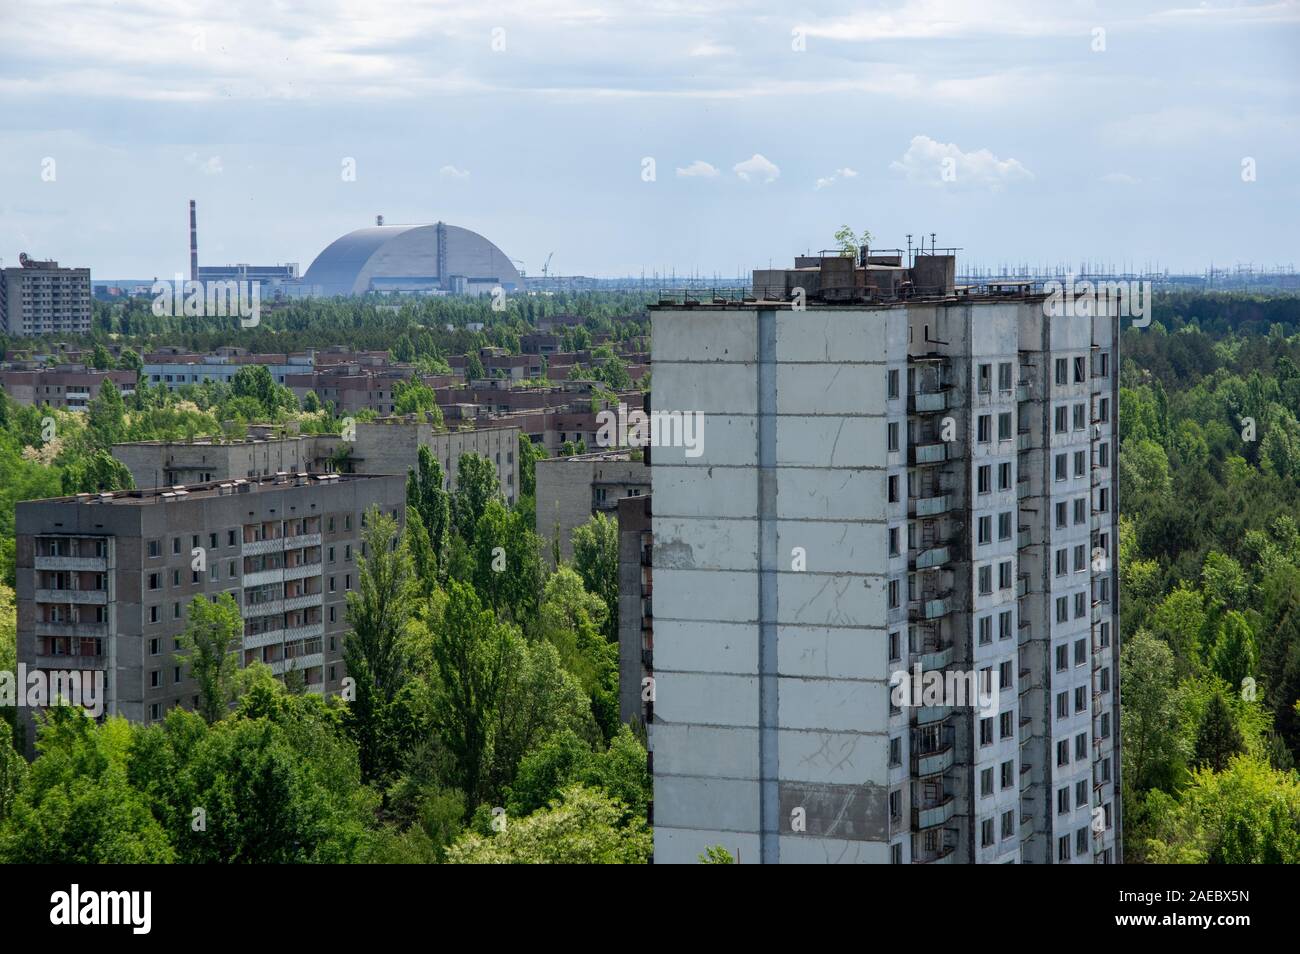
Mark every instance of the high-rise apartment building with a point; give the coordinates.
(104, 581)
(886, 618)
(39, 298)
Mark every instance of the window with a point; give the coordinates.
(1004, 625)
(1081, 841)
(983, 476)
(1080, 370)
(1081, 793)
(986, 731)
(1007, 727)
(1080, 605)
(1061, 467)
(176, 577)
(893, 594)
(1081, 746)
(176, 546)
(986, 783)
(895, 803)
(1081, 699)
(1006, 680)
(1004, 376)
(154, 581)
(1080, 558)
(1009, 824)
(1004, 525)
(894, 649)
(1062, 658)
(230, 538)
(892, 379)
(1061, 370)
(154, 646)
(1004, 575)
(155, 549)
(1080, 511)
(893, 498)
(986, 630)
(1063, 757)
(1004, 426)
(176, 674)
(985, 580)
(1103, 454)
(1008, 774)
(155, 678)
(1103, 500)
(1062, 705)
(1061, 419)
(893, 541)
(986, 832)
(985, 378)
(153, 614)
(1062, 609)
(893, 436)
(1062, 513)
(1080, 464)
(985, 525)
(1062, 801)
(1062, 562)
(1004, 476)
(1080, 651)
(895, 752)
(985, 428)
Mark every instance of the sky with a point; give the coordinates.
(693, 136)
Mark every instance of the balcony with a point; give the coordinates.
(935, 815)
(268, 638)
(1022, 585)
(78, 663)
(259, 547)
(1023, 539)
(302, 540)
(303, 571)
(932, 763)
(930, 609)
(947, 856)
(928, 402)
(936, 453)
(92, 597)
(303, 602)
(931, 558)
(927, 714)
(1024, 441)
(931, 506)
(267, 608)
(99, 564)
(50, 628)
(938, 659)
(1024, 391)
(310, 631)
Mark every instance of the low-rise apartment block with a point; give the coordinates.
(104, 581)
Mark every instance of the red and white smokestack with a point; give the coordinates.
(194, 244)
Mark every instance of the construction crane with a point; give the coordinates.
(546, 267)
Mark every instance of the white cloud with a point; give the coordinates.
(451, 172)
(757, 168)
(936, 163)
(1120, 178)
(209, 167)
(697, 169)
(845, 173)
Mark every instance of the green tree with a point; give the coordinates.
(1217, 738)
(1153, 742)
(426, 494)
(583, 827)
(210, 644)
(377, 648)
(476, 484)
(595, 557)
(106, 416)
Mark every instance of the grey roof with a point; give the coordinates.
(349, 264)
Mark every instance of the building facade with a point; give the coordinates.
(40, 298)
(571, 490)
(903, 484)
(104, 581)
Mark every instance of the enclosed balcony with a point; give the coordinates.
(931, 453)
(934, 815)
(933, 557)
(928, 402)
(931, 506)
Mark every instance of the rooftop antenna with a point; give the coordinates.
(909, 250)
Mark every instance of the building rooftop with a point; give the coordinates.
(222, 488)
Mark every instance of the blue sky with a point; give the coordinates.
(1046, 132)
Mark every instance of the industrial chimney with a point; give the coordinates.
(194, 244)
